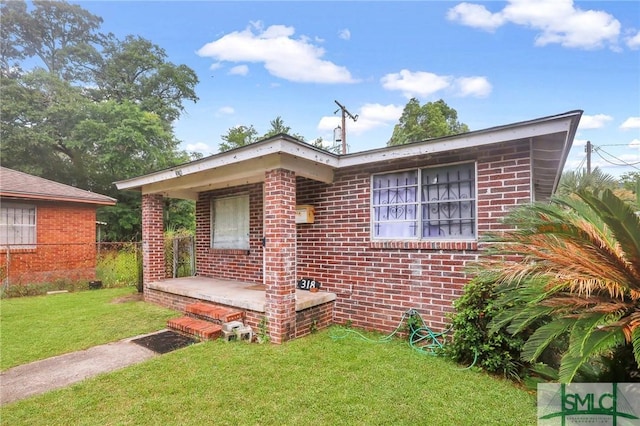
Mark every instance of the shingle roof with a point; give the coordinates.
(15, 184)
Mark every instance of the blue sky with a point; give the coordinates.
(494, 62)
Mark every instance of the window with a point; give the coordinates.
(430, 203)
(230, 228)
(17, 224)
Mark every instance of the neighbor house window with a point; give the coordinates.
(429, 203)
(230, 227)
(17, 225)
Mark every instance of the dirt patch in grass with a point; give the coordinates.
(136, 297)
(165, 341)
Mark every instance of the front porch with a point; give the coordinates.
(313, 310)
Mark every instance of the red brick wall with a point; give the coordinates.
(153, 238)
(65, 249)
(238, 265)
(280, 253)
(376, 282)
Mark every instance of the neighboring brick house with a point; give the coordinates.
(47, 229)
(394, 228)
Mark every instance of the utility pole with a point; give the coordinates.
(588, 150)
(344, 124)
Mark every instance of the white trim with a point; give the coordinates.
(247, 164)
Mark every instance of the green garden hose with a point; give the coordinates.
(422, 339)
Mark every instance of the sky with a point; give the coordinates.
(496, 63)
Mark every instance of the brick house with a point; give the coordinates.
(382, 231)
(47, 229)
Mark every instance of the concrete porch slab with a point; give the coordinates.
(239, 294)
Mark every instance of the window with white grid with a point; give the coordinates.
(17, 225)
(425, 204)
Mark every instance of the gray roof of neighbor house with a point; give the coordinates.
(550, 139)
(19, 185)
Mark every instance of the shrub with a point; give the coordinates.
(37, 289)
(472, 343)
(118, 268)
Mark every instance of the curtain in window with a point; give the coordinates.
(231, 223)
(17, 224)
(448, 201)
(395, 205)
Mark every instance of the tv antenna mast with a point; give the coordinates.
(343, 129)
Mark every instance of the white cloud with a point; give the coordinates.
(239, 70)
(344, 34)
(415, 83)
(226, 110)
(476, 16)
(557, 21)
(635, 144)
(594, 121)
(283, 55)
(199, 147)
(633, 42)
(579, 142)
(473, 86)
(370, 116)
(215, 66)
(631, 123)
(425, 84)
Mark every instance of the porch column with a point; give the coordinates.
(280, 253)
(152, 238)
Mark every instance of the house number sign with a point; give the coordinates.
(308, 284)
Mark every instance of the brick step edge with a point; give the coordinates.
(201, 329)
(215, 313)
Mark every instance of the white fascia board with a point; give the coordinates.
(250, 152)
(480, 138)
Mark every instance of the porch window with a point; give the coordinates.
(425, 204)
(17, 225)
(230, 227)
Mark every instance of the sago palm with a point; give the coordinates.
(574, 267)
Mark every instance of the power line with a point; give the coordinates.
(624, 163)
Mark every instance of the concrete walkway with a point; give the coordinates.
(53, 373)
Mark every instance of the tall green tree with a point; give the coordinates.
(238, 136)
(137, 70)
(420, 122)
(91, 109)
(242, 135)
(63, 36)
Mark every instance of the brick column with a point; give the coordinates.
(280, 253)
(152, 238)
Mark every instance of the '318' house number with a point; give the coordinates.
(308, 284)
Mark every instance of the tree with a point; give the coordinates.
(238, 136)
(61, 35)
(431, 120)
(573, 266)
(574, 181)
(137, 70)
(93, 110)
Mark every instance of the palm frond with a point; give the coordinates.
(596, 343)
(622, 221)
(543, 336)
(635, 342)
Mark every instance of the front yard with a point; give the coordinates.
(313, 380)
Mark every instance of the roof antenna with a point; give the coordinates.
(345, 113)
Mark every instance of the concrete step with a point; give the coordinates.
(201, 329)
(214, 313)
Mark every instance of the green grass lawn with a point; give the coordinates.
(315, 380)
(33, 328)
